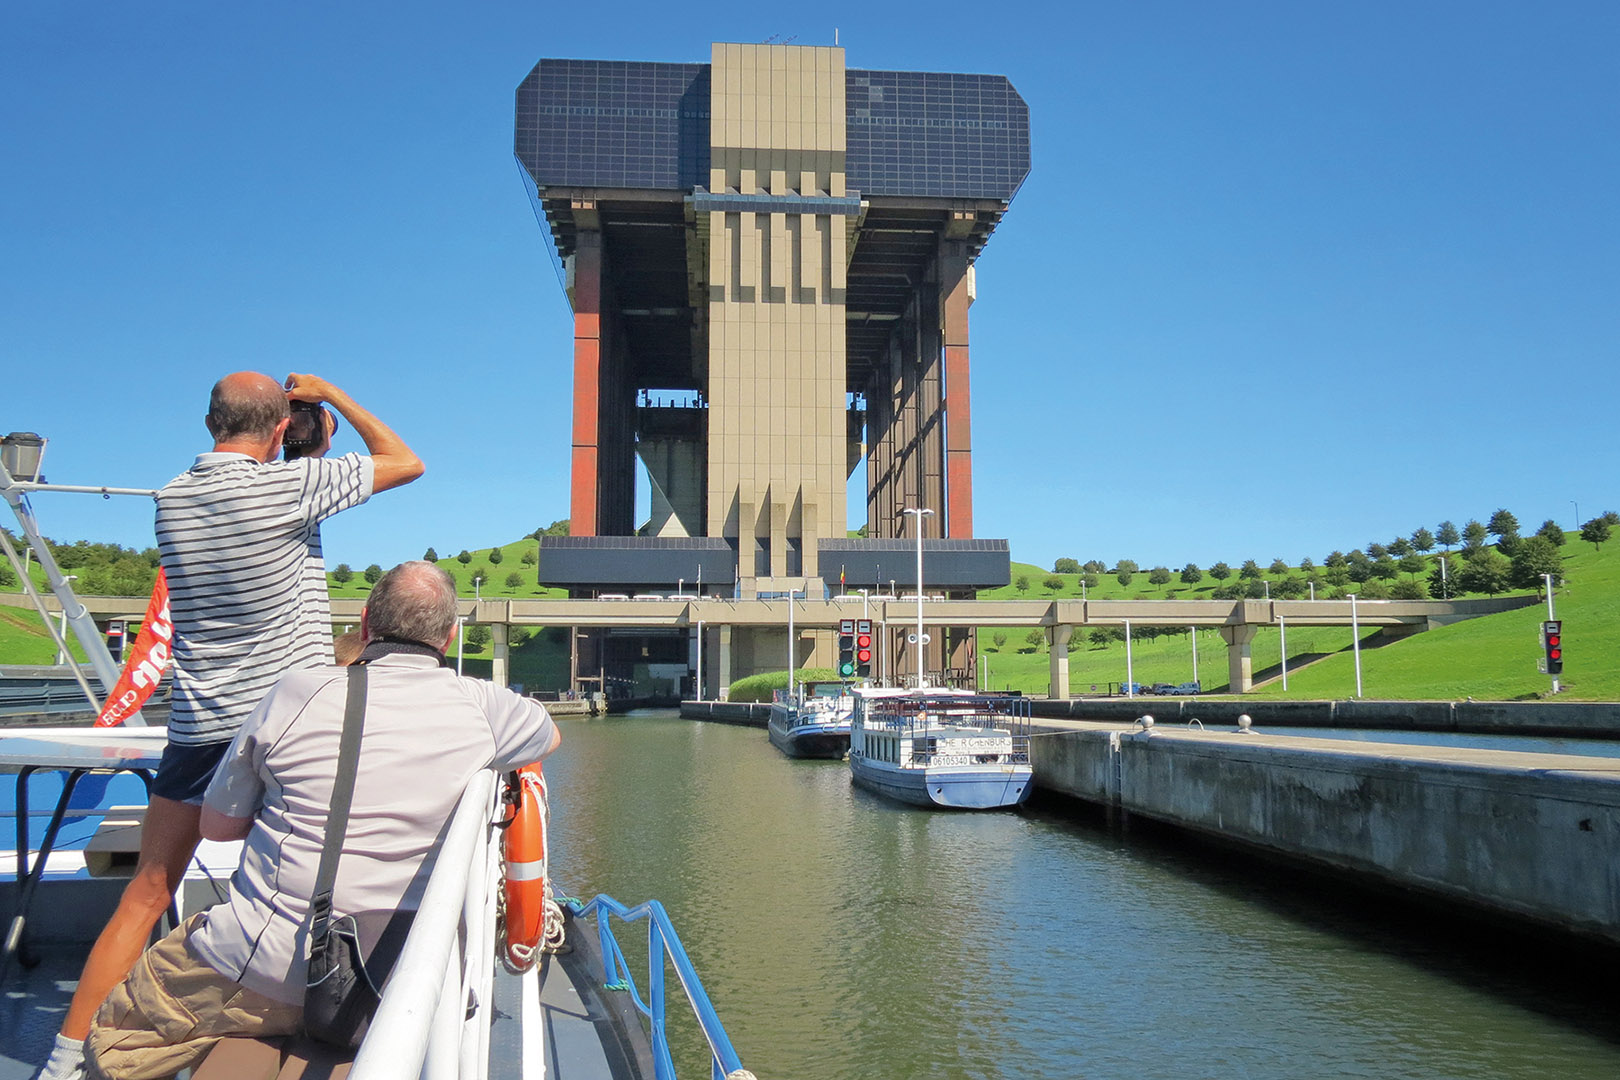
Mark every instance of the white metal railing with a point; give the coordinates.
(423, 1027)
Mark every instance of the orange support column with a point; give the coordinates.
(587, 297)
(953, 287)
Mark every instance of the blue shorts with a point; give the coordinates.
(184, 771)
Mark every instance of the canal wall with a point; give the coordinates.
(1549, 719)
(745, 713)
(1535, 837)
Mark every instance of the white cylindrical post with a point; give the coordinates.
(461, 632)
(1130, 677)
(1355, 641)
(1195, 653)
(700, 661)
(922, 655)
(790, 643)
(1282, 627)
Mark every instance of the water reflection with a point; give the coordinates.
(841, 935)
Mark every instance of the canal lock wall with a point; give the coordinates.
(1532, 837)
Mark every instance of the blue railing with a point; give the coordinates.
(662, 942)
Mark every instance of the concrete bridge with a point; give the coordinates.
(1237, 620)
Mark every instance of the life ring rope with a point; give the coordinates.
(530, 916)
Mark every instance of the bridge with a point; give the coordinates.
(1238, 621)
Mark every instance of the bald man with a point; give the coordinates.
(239, 535)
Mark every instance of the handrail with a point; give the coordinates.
(404, 1031)
(662, 941)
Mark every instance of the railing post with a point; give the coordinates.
(664, 1063)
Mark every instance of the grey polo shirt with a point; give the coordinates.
(427, 733)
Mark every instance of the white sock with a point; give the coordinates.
(66, 1061)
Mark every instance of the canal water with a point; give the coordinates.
(843, 936)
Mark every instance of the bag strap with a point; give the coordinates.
(337, 822)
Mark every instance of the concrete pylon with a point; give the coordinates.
(1058, 637)
(1239, 663)
(500, 668)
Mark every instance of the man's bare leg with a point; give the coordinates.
(168, 840)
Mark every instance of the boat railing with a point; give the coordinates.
(662, 944)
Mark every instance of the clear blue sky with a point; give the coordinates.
(1285, 278)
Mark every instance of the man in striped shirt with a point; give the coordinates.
(239, 535)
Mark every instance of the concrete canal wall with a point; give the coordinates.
(1531, 836)
(746, 713)
(1551, 719)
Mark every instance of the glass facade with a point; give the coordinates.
(613, 123)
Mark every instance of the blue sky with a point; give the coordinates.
(1285, 277)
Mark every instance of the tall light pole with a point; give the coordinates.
(922, 665)
(791, 650)
(1130, 673)
(1282, 629)
(461, 626)
(1355, 641)
(1577, 513)
(61, 633)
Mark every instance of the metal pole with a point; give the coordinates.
(790, 643)
(1312, 584)
(1577, 513)
(61, 629)
(1195, 653)
(1130, 676)
(922, 661)
(1550, 615)
(461, 632)
(1445, 586)
(700, 661)
(1355, 641)
(1282, 626)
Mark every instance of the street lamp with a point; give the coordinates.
(1577, 513)
(461, 626)
(922, 667)
(1355, 641)
(61, 633)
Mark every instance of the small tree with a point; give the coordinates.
(1373, 590)
(1291, 588)
(1089, 580)
(1052, 583)
(1035, 640)
(530, 557)
(1400, 547)
(999, 637)
(1126, 565)
(1250, 570)
(1611, 517)
(1409, 590)
(1385, 568)
(519, 635)
(1376, 550)
(1447, 535)
(1412, 564)
(1022, 584)
(1423, 540)
(1066, 566)
(1595, 532)
(1220, 571)
(514, 579)
(1277, 568)
(1126, 571)
(343, 574)
(7, 576)
(1100, 638)
(1159, 575)
(1474, 535)
(1552, 532)
(495, 556)
(1307, 566)
(1095, 566)
(1483, 571)
(1191, 575)
(1533, 557)
(476, 637)
(374, 574)
(480, 576)
(1255, 588)
(430, 556)
(1502, 523)
(465, 557)
(1335, 558)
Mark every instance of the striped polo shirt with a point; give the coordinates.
(241, 547)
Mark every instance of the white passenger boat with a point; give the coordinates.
(812, 721)
(946, 748)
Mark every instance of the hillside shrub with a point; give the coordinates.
(760, 687)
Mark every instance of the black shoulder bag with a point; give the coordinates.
(350, 956)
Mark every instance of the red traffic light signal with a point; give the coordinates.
(863, 648)
(1552, 640)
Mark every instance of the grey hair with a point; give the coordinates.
(239, 408)
(415, 601)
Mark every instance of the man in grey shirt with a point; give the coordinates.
(239, 968)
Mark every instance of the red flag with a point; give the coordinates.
(840, 578)
(147, 659)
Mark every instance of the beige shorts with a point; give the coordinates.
(171, 1011)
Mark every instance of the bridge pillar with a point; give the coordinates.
(499, 667)
(1058, 638)
(722, 690)
(1239, 663)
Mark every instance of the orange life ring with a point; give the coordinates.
(525, 852)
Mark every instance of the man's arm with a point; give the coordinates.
(393, 463)
(218, 826)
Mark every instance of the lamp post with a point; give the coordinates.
(699, 694)
(1445, 586)
(922, 665)
(1130, 673)
(61, 633)
(461, 626)
(1577, 512)
(1282, 628)
(1267, 584)
(1355, 641)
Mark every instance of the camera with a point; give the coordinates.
(308, 432)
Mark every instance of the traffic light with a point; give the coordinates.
(863, 648)
(1552, 639)
(846, 648)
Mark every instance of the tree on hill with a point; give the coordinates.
(1595, 532)
(1502, 523)
(1337, 575)
(343, 574)
(465, 557)
(1412, 564)
(1335, 558)
(430, 556)
(1307, 565)
(1358, 566)
(1000, 638)
(1220, 571)
(1535, 556)
(1409, 590)
(1277, 568)
(1095, 566)
(1423, 540)
(1159, 575)
(495, 556)
(1376, 551)
(1052, 583)
(480, 576)
(1610, 516)
(1036, 639)
(556, 528)
(1256, 589)
(514, 579)
(1552, 532)
(1373, 590)
(1066, 566)
(1400, 547)
(1384, 568)
(1089, 580)
(1291, 588)
(1124, 570)
(530, 557)
(1191, 575)
(1483, 571)
(374, 574)
(1022, 584)
(1250, 570)
(476, 637)
(1474, 535)
(1447, 535)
